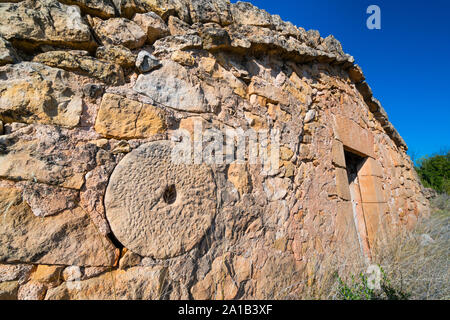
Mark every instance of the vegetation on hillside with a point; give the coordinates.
(434, 171)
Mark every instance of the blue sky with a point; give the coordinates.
(407, 62)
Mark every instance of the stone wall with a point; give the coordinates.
(93, 205)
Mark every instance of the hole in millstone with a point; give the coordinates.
(170, 194)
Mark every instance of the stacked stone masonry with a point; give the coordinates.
(93, 207)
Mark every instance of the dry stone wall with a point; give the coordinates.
(93, 95)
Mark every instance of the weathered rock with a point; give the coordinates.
(223, 281)
(41, 154)
(184, 58)
(47, 274)
(45, 200)
(310, 116)
(123, 118)
(32, 291)
(120, 31)
(117, 55)
(32, 92)
(83, 64)
(146, 62)
(139, 283)
(247, 14)
(15, 272)
(203, 11)
(163, 8)
(68, 238)
(178, 27)
(238, 175)
(29, 23)
(99, 8)
(173, 87)
(173, 43)
(7, 53)
(179, 203)
(276, 188)
(214, 37)
(153, 25)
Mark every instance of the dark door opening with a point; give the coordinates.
(354, 163)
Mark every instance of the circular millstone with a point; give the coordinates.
(156, 207)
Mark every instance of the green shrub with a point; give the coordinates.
(434, 172)
(359, 289)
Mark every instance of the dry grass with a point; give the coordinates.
(418, 261)
(415, 263)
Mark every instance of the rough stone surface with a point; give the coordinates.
(153, 25)
(100, 8)
(182, 205)
(68, 238)
(173, 87)
(79, 62)
(32, 92)
(45, 200)
(117, 55)
(127, 119)
(120, 31)
(40, 154)
(29, 23)
(7, 53)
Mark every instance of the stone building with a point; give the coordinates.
(94, 96)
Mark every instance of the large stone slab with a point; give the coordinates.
(124, 118)
(47, 155)
(34, 93)
(100, 8)
(156, 207)
(138, 283)
(173, 87)
(65, 239)
(81, 63)
(31, 23)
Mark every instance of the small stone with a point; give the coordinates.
(32, 291)
(238, 175)
(116, 54)
(182, 206)
(47, 274)
(72, 273)
(100, 8)
(153, 25)
(120, 31)
(9, 290)
(184, 58)
(123, 118)
(7, 53)
(145, 62)
(45, 200)
(178, 27)
(74, 61)
(93, 91)
(276, 188)
(171, 85)
(310, 116)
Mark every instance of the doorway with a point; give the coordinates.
(354, 163)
